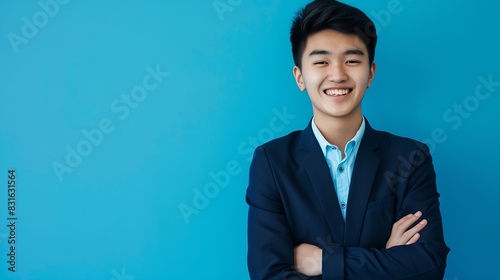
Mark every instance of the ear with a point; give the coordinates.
(371, 75)
(298, 78)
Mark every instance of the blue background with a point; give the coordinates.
(117, 215)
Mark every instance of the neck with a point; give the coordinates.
(339, 131)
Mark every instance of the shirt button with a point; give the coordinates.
(341, 169)
(343, 205)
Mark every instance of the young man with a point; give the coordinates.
(340, 200)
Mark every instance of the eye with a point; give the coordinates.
(352, 62)
(320, 63)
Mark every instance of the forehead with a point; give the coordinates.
(334, 42)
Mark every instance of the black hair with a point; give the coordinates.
(321, 15)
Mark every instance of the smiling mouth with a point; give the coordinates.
(337, 91)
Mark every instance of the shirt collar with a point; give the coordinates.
(351, 146)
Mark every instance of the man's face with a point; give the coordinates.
(336, 73)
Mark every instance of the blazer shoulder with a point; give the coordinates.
(282, 143)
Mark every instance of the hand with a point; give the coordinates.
(308, 259)
(401, 235)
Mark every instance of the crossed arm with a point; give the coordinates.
(309, 258)
(409, 253)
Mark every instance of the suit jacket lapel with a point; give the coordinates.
(319, 175)
(365, 169)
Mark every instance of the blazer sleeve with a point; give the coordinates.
(270, 243)
(425, 259)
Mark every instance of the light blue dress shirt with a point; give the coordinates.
(340, 168)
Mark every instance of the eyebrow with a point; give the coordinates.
(355, 52)
(346, 53)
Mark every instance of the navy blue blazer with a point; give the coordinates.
(292, 200)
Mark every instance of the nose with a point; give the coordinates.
(337, 73)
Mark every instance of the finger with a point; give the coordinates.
(409, 219)
(307, 264)
(413, 239)
(398, 227)
(402, 220)
(404, 223)
(417, 228)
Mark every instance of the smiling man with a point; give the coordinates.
(339, 199)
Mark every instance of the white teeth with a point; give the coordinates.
(337, 92)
